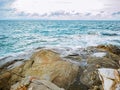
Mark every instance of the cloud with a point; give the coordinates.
(63, 2)
(87, 14)
(5, 8)
(59, 13)
(60, 9)
(47, 6)
(22, 14)
(116, 13)
(62, 13)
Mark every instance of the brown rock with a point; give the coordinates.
(110, 48)
(45, 65)
(48, 65)
(29, 83)
(4, 85)
(90, 77)
(110, 78)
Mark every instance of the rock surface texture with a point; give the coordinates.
(110, 78)
(32, 83)
(47, 65)
(92, 68)
(44, 65)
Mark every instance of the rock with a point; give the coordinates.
(74, 57)
(110, 48)
(102, 62)
(100, 57)
(77, 85)
(110, 78)
(90, 77)
(32, 83)
(43, 85)
(45, 65)
(48, 65)
(4, 85)
(72, 72)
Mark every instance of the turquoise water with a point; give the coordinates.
(19, 36)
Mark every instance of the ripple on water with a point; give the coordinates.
(19, 36)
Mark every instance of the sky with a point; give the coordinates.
(60, 9)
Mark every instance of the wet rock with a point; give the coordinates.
(110, 78)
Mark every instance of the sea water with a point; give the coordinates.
(19, 36)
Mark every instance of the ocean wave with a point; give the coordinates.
(22, 36)
(3, 37)
(16, 56)
(110, 34)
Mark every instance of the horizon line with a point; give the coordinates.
(66, 19)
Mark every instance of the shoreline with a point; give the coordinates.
(94, 58)
(63, 51)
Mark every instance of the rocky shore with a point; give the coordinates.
(92, 68)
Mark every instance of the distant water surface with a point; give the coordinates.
(19, 36)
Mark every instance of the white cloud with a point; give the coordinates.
(60, 9)
(47, 6)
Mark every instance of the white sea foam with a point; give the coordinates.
(16, 56)
(66, 37)
(16, 64)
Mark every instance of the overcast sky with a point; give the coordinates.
(60, 9)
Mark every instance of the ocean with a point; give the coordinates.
(18, 36)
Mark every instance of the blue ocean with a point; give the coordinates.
(19, 36)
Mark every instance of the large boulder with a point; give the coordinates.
(48, 65)
(45, 65)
